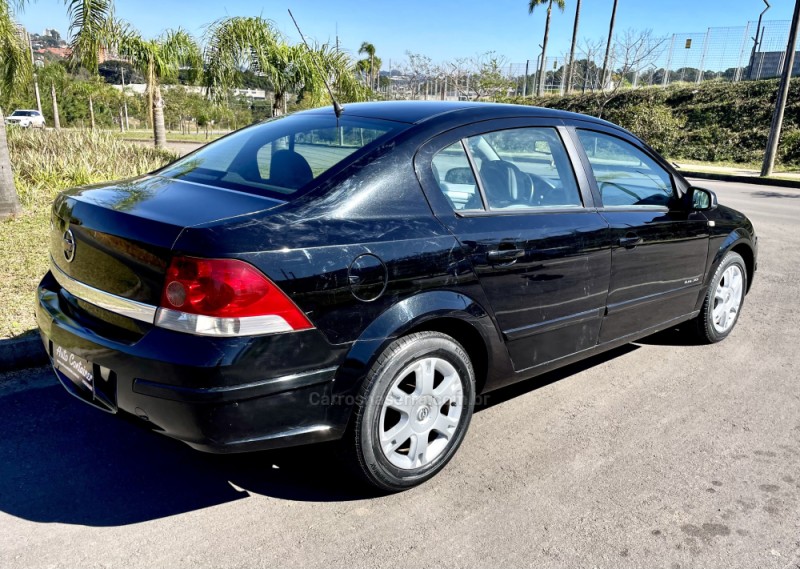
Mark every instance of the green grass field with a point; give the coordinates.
(44, 163)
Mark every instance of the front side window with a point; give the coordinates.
(280, 157)
(525, 168)
(626, 176)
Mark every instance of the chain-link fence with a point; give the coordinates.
(750, 52)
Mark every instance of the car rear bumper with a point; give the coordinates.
(215, 394)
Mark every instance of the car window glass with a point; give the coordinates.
(279, 157)
(626, 176)
(525, 168)
(455, 178)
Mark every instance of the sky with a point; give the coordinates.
(441, 29)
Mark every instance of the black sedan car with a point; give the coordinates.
(363, 277)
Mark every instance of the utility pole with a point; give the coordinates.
(783, 91)
(124, 99)
(525, 83)
(756, 40)
(608, 45)
(35, 77)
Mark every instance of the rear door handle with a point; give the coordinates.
(630, 241)
(504, 255)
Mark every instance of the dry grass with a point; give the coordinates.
(44, 163)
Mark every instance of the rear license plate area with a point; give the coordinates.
(86, 380)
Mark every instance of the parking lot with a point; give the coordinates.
(658, 454)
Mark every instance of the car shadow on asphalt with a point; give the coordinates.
(63, 461)
(765, 194)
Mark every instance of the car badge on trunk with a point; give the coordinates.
(69, 245)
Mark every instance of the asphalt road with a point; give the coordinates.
(660, 454)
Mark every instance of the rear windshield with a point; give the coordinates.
(281, 157)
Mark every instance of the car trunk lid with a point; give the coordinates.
(117, 237)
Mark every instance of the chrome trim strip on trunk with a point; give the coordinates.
(106, 300)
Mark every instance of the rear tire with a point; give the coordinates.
(414, 409)
(724, 300)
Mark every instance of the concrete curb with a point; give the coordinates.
(780, 182)
(22, 352)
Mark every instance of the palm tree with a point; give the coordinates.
(369, 49)
(571, 75)
(54, 75)
(15, 70)
(532, 4)
(86, 17)
(608, 46)
(159, 59)
(237, 43)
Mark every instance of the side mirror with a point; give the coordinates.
(702, 199)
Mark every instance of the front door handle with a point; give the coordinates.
(630, 241)
(504, 255)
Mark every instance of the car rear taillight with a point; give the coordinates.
(224, 297)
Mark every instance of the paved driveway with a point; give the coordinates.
(659, 454)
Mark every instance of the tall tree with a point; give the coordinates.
(532, 4)
(160, 59)
(369, 50)
(240, 43)
(571, 75)
(608, 45)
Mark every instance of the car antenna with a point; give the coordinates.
(337, 108)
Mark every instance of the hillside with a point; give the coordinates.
(712, 121)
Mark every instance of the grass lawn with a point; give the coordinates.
(44, 163)
(173, 136)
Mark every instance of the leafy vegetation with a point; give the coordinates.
(44, 163)
(712, 121)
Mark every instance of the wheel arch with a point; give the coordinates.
(738, 241)
(448, 312)
(746, 251)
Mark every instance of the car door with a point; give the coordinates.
(526, 220)
(659, 245)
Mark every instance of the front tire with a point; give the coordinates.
(415, 407)
(724, 300)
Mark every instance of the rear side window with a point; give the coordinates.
(281, 157)
(626, 176)
(455, 178)
(525, 168)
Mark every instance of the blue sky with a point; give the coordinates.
(443, 29)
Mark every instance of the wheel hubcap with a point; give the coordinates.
(421, 413)
(728, 299)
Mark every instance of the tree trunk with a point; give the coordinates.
(608, 46)
(91, 111)
(571, 74)
(56, 119)
(9, 203)
(277, 104)
(159, 132)
(543, 65)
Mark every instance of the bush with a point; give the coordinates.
(655, 124)
(48, 161)
(711, 121)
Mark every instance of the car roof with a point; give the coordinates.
(25, 111)
(415, 112)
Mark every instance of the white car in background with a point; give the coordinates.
(26, 118)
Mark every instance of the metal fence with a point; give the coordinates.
(750, 52)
